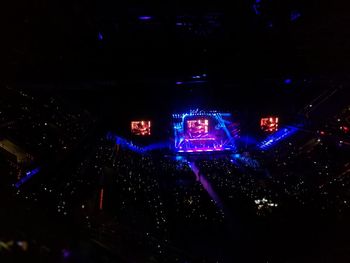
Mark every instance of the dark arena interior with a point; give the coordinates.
(184, 131)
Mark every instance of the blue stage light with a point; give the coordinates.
(29, 174)
(236, 155)
(288, 81)
(294, 15)
(277, 137)
(135, 148)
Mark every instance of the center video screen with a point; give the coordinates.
(141, 128)
(197, 128)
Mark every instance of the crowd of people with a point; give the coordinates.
(161, 197)
(45, 128)
(155, 206)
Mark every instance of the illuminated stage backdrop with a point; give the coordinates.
(204, 131)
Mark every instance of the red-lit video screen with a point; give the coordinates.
(269, 124)
(197, 128)
(142, 128)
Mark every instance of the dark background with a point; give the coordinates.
(54, 46)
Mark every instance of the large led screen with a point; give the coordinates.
(197, 128)
(142, 128)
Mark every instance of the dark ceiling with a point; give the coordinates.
(60, 39)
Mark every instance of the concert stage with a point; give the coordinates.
(204, 131)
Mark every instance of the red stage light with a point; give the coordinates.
(345, 129)
(142, 128)
(269, 124)
(101, 200)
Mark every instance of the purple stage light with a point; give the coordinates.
(66, 253)
(145, 17)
